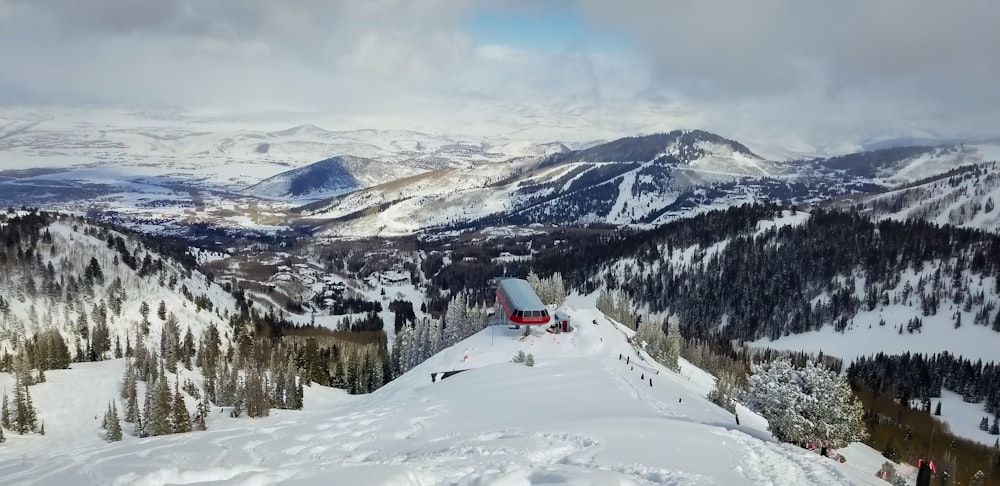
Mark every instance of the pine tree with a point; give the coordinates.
(455, 325)
(5, 414)
(180, 418)
(160, 422)
(984, 424)
(937, 409)
(808, 404)
(2, 438)
(558, 289)
(534, 282)
(126, 379)
(187, 349)
(25, 420)
(132, 397)
(200, 414)
(113, 427)
(156, 413)
(673, 348)
(995, 429)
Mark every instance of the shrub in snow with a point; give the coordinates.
(525, 359)
(888, 474)
(805, 405)
(724, 392)
(662, 347)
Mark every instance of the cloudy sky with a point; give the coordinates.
(801, 74)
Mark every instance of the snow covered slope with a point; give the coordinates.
(69, 156)
(324, 178)
(626, 181)
(962, 197)
(57, 289)
(581, 415)
(648, 180)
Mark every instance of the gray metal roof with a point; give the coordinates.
(520, 294)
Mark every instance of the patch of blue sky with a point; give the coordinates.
(547, 27)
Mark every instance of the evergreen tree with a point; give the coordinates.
(534, 282)
(156, 413)
(25, 420)
(995, 428)
(5, 414)
(2, 438)
(200, 414)
(126, 380)
(937, 409)
(455, 327)
(132, 397)
(180, 419)
(807, 404)
(558, 289)
(113, 427)
(673, 348)
(187, 349)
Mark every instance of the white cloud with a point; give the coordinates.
(845, 67)
(791, 73)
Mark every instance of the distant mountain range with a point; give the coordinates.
(393, 182)
(630, 181)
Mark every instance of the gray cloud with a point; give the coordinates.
(193, 51)
(872, 64)
(798, 74)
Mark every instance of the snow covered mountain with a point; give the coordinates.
(326, 177)
(965, 196)
(635, 180)
(581, 415)
(99, 289)
(629, 180)
(172, 166)
(81, 159)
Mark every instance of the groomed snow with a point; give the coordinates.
(581, 415)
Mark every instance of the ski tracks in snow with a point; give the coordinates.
(776, 464)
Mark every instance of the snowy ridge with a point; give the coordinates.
(581, 415)
(174, 165)
(626, 181)
(31, 314)
(967, 198)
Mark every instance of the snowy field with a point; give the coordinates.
(581, 415)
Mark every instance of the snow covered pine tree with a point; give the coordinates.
(805, 405)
